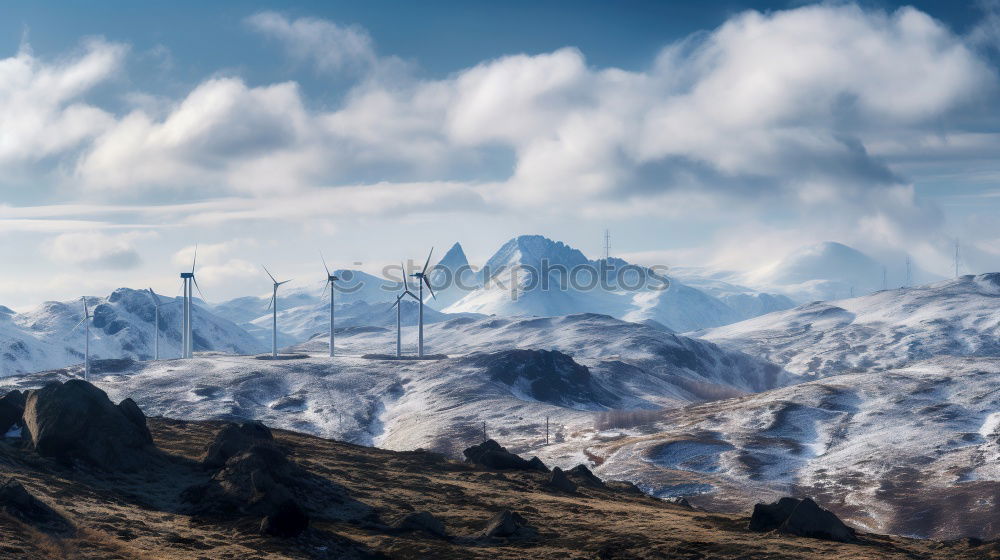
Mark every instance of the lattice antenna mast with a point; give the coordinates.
(607, 244)
(909, 272)
(885, 278)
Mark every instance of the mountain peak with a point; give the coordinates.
(454, 258)
(531, 250)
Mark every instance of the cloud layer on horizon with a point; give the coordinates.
(803, 109)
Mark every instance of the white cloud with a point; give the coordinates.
(329, 46)
(808, 110)
(41, 104)
(97, 250)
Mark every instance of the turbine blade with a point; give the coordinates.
(428, 284)
(195, 280)
(82, 321)
(393, 306)
(269, 303)
(86, 310)
(156, 298)
(195, 259)
(428, 261)
(322, 293)
(324, 264)
(285, 282)
(402, 269)
(269, 273)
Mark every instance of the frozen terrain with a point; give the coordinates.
(912, 451)
(122, 327)
(883, 330)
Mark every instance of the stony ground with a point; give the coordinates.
(141, 516)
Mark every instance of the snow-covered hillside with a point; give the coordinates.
(912, 451)
(680, 307)
(883, 330)
(122, 327)
(669, 368)
(510, 373)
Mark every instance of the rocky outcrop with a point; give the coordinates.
(491, 454)
(257, 479)
(232, 440)
(11, 410)
(509, 525)
(559, 481)
(802, 518)
(75, 421)
(584, 476)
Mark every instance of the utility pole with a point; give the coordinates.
(885, 278)
(956, 258)
(484, 431)
(908, 273)
(546, 430)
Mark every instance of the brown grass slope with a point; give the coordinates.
(141, 516)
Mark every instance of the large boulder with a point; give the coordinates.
(11, 411)
(492, 455)
(77, 421)
(584, 476)
(559, 481)
(18, 503)
(232, 440)
(802, 518)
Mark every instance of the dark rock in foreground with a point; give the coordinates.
(76, 421)
(232, 440)
(510, 525)
(559, 481)
(802, 518)
(18, 503)
(11, 410)
(492, 455)
(585, 476)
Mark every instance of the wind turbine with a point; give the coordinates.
(156, 322)
(189, 284)
(330, 279)
(86, 326)
(421, 280)
(399, 308)
(274, 317)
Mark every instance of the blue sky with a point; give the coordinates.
(710, 133)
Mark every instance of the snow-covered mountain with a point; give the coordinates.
(912, 451)
(540, 262)
(452, 278)
(122, 327)
(883, 330)
(831, 270)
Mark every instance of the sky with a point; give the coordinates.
(721, 134)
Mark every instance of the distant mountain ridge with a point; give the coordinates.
(122, 327)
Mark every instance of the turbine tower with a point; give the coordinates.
(86, 349)
(421, 280)
(189, 285)
(330, 279)
(274, 315)
(156, 322)
(399, 330)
